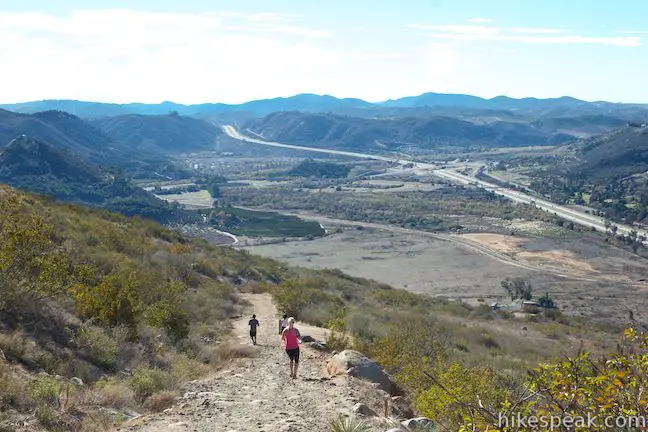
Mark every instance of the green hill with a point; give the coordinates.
(160, 133)
(33, 165)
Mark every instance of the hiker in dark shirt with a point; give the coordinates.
(253, 323)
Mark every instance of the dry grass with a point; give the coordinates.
(160, 401)
(114, 392)
(228, 351)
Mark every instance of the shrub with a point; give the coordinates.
(555, 315)
(292, 297)
(14, 344)
(487, 340)
(45, 390)
(169, 316)
(349, 424)
(11, 388)
(114, 393)
(337, 339)
(101, 348)
(160, 401)
(45, 415)
(518, 288)
(546, 301)
(147, 381)
(230, 351)
(450, 386)
(99, 420)
(186, 369)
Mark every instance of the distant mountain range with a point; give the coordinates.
(325, 103)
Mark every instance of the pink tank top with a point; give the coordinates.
(290, 339)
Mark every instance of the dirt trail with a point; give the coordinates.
(257, 394)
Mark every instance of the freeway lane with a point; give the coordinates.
(575, 216)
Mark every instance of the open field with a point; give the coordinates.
(586, 278)
(200, 199)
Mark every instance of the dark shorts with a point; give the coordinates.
(293, 354)
(252, 333)
(281, 330)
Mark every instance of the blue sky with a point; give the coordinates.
(223, 51)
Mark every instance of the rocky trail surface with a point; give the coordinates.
(257, 393)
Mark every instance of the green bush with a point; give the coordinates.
(337, 339)
(46, 390)
(147, 381)
(101, 348)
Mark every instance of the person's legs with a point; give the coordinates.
(296, 363)
(293, 354)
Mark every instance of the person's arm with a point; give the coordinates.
(298, 335)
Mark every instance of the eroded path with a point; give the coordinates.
(257, 393)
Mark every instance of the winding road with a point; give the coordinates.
(575, 216)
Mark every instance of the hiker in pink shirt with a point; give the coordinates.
(290, 342)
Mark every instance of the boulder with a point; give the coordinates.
(363, 410)
(318, 346)
(420, 423)
(77, 381)
(400, 408)
(395, 430)
(355, 364)
(307, 338)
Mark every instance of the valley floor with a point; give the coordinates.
(586, 278)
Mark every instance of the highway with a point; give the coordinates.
(575, 216)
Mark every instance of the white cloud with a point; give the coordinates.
(638, 32)
(126, 55)
(459, 29)
(479, 20)
(532, 30)
(521, 34)
(122, 55)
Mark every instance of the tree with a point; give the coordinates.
(213, 190)
(547, 301)
(518, 288)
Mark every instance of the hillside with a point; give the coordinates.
(584, 126)
(104, 318)
(396, 133)
(608, 172)
(33, 165)
(66, 131)
(121, 305)
(620, 153)
(26, 156)
(59, 128)
(160, 133)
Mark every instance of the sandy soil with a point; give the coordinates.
(565, 259)
(498, 242)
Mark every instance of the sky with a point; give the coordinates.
(200, 51)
